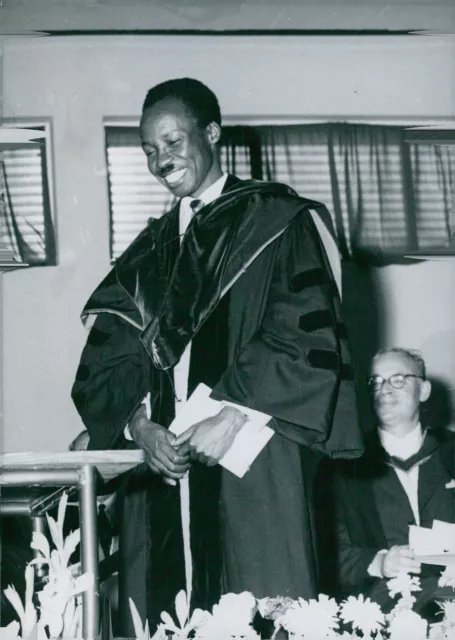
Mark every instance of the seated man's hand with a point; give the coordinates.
(157, 443)
(399, 559)
(207, 441)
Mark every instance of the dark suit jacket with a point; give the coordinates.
(365, 509)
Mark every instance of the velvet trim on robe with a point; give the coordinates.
(173, 307)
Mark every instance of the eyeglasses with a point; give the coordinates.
(396, 381)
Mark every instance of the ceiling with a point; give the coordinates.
(71, 16)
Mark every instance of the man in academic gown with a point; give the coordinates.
(233, 288)
(400, 481)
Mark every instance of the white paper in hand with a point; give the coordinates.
(248, 443)
(433, 546)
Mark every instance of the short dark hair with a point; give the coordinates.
(196, 96)
(413, 355)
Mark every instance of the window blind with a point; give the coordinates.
(382, 192)
(28, 228)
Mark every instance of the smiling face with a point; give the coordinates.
(398, 408)
(181, 154)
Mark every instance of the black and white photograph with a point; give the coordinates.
(227, 319)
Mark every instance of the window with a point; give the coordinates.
(386, 194)
(29, 228)
(135, 195)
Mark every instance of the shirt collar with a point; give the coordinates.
(404, 447)
(211, 193)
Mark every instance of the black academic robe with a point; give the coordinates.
(371, 512)
(286, 355)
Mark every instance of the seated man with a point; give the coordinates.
(400, 481)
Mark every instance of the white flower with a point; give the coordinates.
(366, 616)
(27, 614)
(447, 578)
(57, 595)
(11, 632)
(404, 584)
(311, 619)
(448, 608)
(213, 628)
(187, 625)
(403, 604)
(234, 613)
(273, 608)
(408, 624)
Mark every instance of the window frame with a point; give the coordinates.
(251, 121)
(44, 123)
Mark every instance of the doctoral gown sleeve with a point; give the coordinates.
(111, 380)
(296, 367)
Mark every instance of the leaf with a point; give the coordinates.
(137, 622)
(55, 535)
(61, 513)
(30, 618)
(41, 543)
(181, 608)
(12, 595)
(83, 583)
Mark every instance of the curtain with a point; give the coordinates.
(386, 196)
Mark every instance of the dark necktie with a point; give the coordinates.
(196, 205)
(423, 454)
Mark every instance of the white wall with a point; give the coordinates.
(79, 81)
(419, 307)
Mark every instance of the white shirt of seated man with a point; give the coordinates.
(400, 433)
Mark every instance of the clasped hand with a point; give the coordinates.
(399, 559)
(206, 441)
(157, 443)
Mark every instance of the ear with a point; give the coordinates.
(425, 390)
(213, 131)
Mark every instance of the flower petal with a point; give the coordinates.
(181, 608)
(30, 618)
(83, 583)
(55, 534)
(70, 545)
(61, 512)
(41, 543)
(168, 622)
(12, 595)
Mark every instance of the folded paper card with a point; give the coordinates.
(248, 443)
(435, 545)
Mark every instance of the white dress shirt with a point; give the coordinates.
(182, 368)
(402, 448)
